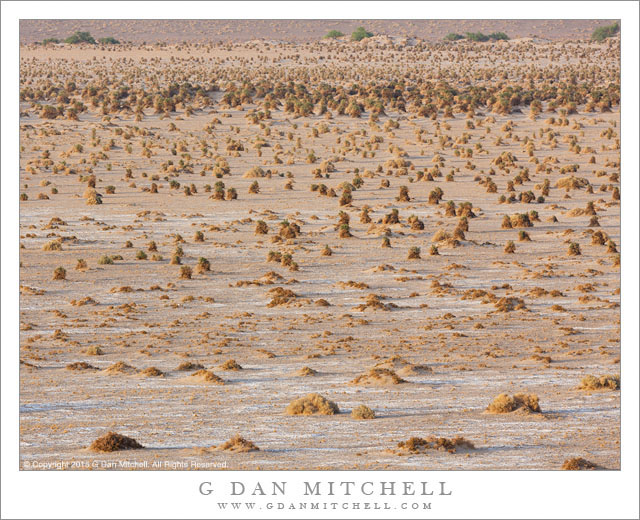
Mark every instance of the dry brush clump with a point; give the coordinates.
(572, 183)
(418, 445)
(230, 364)
(120, 367)
(403, 367)
(261, 228)
(289, 229)
(578, 464)
(574, 249)
(374, 301)
(80, 365)
(312, 404)
(152, 372)
(253, 173)
(522, 403)
(509, 304)
(345, 231)
(378, 377)
(238, 444)
(414, 253)
(416, 223)
(54, 245)
(608, 382)
(204, 266)
(403, 195)
(281, 296)
(60, 273)
(206, 376)
(187, 366)
(363, 412)
(115, 442)
(517, 221)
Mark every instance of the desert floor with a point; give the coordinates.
(460, 327)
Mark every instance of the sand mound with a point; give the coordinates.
(230, 364)
(306, 371)
(404, 367)
(266, 353)
(254, 173)
(509, 304)
(80, 365)
(120, 367)
(363, 412)
(607, 382)
(188, 365)
(115, 442)
(238, 444)
(281, 296)
(312, 404)
(378, 377)
(271, 277)
(374, 301)
(266, 279)
(578, 464)
(152, 372)
(522, 403)
(572, 183)
(381, 268)
(420, 445)
(207, 376)
(352, 285)
(414, 370)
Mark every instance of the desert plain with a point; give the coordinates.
(212, 231)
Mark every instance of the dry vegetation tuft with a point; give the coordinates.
(312, 404)
(115, 442)
(416, 445)
(522, 403)
(378, 377)
(238, 444)
(608, 382)
(363, 412)
(207, 376)
(578, 464)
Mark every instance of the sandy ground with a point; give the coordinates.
(143, 313)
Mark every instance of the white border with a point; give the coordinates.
(542, 494)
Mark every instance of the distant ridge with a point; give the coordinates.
(193, 31)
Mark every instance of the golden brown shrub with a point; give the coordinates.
(578, 464)
(504, 403)
(208, 377)
(115, 442)
(238, 444)
(312, 404)
(378, 377)
(608, 382)
(363, 412)
(419, 445)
